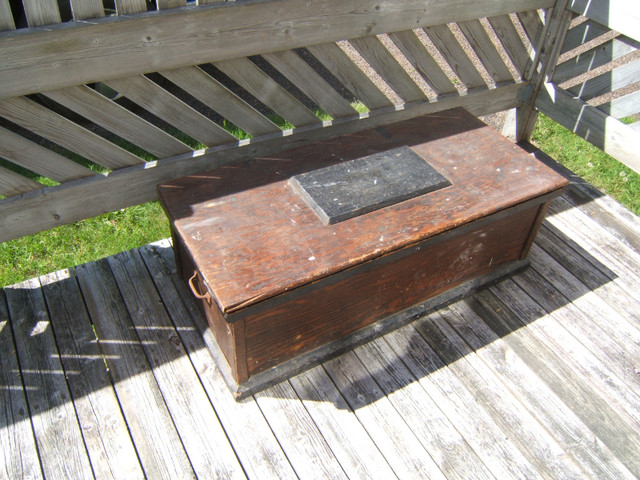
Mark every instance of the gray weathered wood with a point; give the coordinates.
(6, 18)
(12, 183)
(610, 81)
(591, 59)
(395, 439)
(581, 34)
(449, 450)
(215, 95)
(65, 133)
(55, 424)
(565, 379)
(157, 442)
(268, 91)
(623, 106)
(126, 7)
(495, 449)
(302, 442)
(343, 67)
(386, 65)
(19, 458)
(39, 159)
(456, 57)
(166, 4)
(174, 111)
(594, 458)
(122, 188)
(295, 69)
(116, 119)
(201, 434)
(535, 442)
(41, 12)
(508, 35)
(111, 451)
(183, 37)
(347, 438)
(486, 51)
(532, 24)
(595, 126)
(254, 443)
(415, 51)
(85, 9)
(618, 15)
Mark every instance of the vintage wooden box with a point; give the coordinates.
(283, 290)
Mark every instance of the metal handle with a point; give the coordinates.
(194, 290)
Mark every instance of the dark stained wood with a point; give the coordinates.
(324, 311)
(275, 282)
(253, 238)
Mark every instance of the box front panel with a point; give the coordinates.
(311, 316)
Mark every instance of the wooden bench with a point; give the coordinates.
(79, 89)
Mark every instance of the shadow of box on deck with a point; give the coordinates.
(436, 207)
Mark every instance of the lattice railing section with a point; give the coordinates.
(596, 79)
(109, 143)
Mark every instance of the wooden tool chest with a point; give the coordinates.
(285, 280)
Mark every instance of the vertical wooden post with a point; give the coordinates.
(521, 121)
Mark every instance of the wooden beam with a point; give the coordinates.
(50, 207)
(108, 48)
(619, 15)
(603, 131)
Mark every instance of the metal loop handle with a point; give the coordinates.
(194, 290)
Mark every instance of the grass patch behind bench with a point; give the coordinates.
(108, 234)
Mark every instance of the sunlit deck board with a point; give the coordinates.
(537, 376)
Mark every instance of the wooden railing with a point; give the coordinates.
(593, 80)
(100, 104)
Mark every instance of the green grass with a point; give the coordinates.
(595, 166)
(108, 234)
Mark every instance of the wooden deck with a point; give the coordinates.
(535, 377)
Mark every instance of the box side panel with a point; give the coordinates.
(312, 316)
(229, 336)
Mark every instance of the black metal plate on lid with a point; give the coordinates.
(352, 188)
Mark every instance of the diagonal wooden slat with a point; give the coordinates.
(116, 119)
(448, 46)
(215, 95)
(268, 91)
(385, 64)
(41, 12)
(508, 35)
(610, 81)
(340, 64)
(415, 51)
(83, 9)
(12, 183)
(125, 7)
(6, 18)
(65, 133)
(310, 83)
(622, 107)
(39, 159)
(581, 34)
(532, 25)
(174, 111)
(486, 51)
(593, 58)
(167, 4)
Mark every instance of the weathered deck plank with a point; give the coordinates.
(534, 377)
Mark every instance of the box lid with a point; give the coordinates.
(253, 236)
